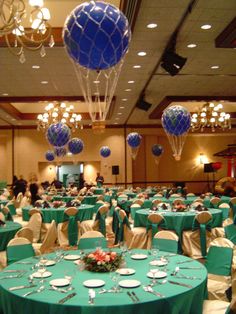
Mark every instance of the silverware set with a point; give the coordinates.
(149, 289)
(40, 289)
(133, 296)
(68, 297)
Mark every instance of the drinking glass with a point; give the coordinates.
(115, 276)
(153, 271)
(154, 252)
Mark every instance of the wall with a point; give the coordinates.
(31, 145)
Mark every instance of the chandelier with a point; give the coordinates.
(12, 17)
(210, 116)
(59, 113)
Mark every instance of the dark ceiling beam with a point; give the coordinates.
(157, 112)
(227, 38)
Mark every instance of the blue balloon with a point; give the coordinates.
(134, 139)
(176, 120)
(105, 151)
(58, 134)
(75, 145)
(49, 155)
(60, 151)
(96, 35)
(157, 150)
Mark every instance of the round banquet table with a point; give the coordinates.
(177, 221)
(7, 232)
(85, 212)
(90, 200)
(63, 198)
(176, 298)
(98, 191)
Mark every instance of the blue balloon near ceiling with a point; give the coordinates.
(134, 139)
(105, 151)
(176, 120)
(75, 145)
(60, 151)
(96, 35)
(58, 134)
(157, 150)
(49, 155)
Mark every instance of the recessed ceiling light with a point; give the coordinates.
(124, 99)
(142, 53)
(152, 25)
(96, 82)
(44, 82)
(130, 82)
(192, 46)
(5, 94)
(116, 123)
(127, 90)
(119, 113)
(215, 67)
(35, 67)
(117, 118)
(122, 107)
(13, 119)
(206, 26)
(137, 66)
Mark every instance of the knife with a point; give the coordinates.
(14, 271)
(69, 296)
(131, 297)
(12, 276)
(180, 284)
(190, 267)
(21, 287)
(135, 296)
(188, 261)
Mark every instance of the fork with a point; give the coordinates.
(34, 291)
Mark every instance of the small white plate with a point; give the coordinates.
(61, 282)
(126, 271)
(158, 263)
(158, 275)
(93, 283)
(129, 283)
(71, 257)
(42, 275)
(139, 256)
(48, 263)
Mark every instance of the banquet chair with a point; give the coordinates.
(18, 199)
(49, 241)
(155, 202)
(100, 198)
(19, 248)
(133, 209)
(226, 225)
(7, 213)
(178, 201)
(11, 207)
(196, 241)
(153, 226)
(175, 195)
(68, 230)
(166, 240)
(190, 194)
(98, 224)
(2, 217)
(35, 224)
(158, 195)
(219, 267)
(26, 233)
(215, 307)
(198, 200)
(122, 195)
(139, 202)
(91, 240)
(134, 237)
(214, 202)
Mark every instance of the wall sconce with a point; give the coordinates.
(202, 159)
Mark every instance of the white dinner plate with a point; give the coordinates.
(42, 275)
(48, 263)
(93, 283)
(139, 256)
(61, 282)
(159, 263)
(126, 271)
(158, 275)
(129, 283)
(71, 257)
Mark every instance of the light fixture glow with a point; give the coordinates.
(206, 26)
(191, 45)
(152, 25)
(137, 66)
(142, 53)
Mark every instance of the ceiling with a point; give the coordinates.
(196, 82)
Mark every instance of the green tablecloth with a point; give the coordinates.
(7, 233)
(63, 198)
(177, 300)
(177, 221)
(98, 191)
(90, 200)
(85, 212)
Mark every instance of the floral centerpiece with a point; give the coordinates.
(180, 208)
(101, 261)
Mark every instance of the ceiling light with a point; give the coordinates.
(124, 99)
(44, 82)
(96, 82)
(119, 113)
(122, 107)
(127, 90)
(206, 26)
(18, 38)
(116, 123)
(137, 66)
(142, 53)
(130, 82)
(35, 67)
(215, 67)
(152, 25)
(5, 94)
(117, 118)
(191, 45)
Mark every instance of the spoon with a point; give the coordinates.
(34, 291)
